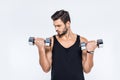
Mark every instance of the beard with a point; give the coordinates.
(63, 33)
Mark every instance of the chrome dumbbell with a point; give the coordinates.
(99, 44)
(32, 39)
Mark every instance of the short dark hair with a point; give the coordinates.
(61, 14)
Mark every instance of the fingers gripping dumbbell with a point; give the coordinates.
(99, 44)
(32, 39)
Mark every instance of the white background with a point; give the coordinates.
(93, 19)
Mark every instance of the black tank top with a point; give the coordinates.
(67, 62)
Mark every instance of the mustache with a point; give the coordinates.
(57, 31)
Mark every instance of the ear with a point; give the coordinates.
(68, 24)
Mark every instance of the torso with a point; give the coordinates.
(67, 59)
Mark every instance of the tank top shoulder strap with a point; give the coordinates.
(54, 38)
(78, 39)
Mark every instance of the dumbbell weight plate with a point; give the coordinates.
(83, 45)
(31, 40)
(47, 41)
(100, 43)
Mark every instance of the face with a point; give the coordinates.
(60, 27)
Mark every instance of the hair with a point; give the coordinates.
(61, 14)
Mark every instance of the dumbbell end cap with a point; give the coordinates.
(83, 45)
(100, 46)
(100, 43)
(31, 40)
(30, 43)
(48, 42)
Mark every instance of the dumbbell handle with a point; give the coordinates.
(99, 44)
(32, 39)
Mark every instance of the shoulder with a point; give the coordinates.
(83, 39)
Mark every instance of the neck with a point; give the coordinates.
(68, 35)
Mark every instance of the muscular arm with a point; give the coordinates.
(87, 58)
(87, 61)
(45, 59)
(45, 55)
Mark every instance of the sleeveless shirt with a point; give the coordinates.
(67, 62)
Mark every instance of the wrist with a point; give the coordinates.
(91, 52)
(41, 48)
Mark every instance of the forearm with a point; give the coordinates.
(43, 60)
(88, 64)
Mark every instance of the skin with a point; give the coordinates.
(66, 38)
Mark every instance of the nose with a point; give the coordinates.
(56, 28)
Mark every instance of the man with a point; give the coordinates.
(64, 57)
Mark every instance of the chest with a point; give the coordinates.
(67, 43)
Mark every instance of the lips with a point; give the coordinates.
(57, 31)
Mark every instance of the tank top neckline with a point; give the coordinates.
(77, 38)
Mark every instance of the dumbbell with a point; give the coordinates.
(99, 44)
(32, 39)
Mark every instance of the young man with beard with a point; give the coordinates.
(64, 57)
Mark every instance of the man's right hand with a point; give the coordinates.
(39, 42)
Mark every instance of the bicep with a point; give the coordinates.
(48, 52)
(49, 55)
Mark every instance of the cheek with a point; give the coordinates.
(60, 28)
(63, 29)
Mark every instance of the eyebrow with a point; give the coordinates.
(56, 25)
